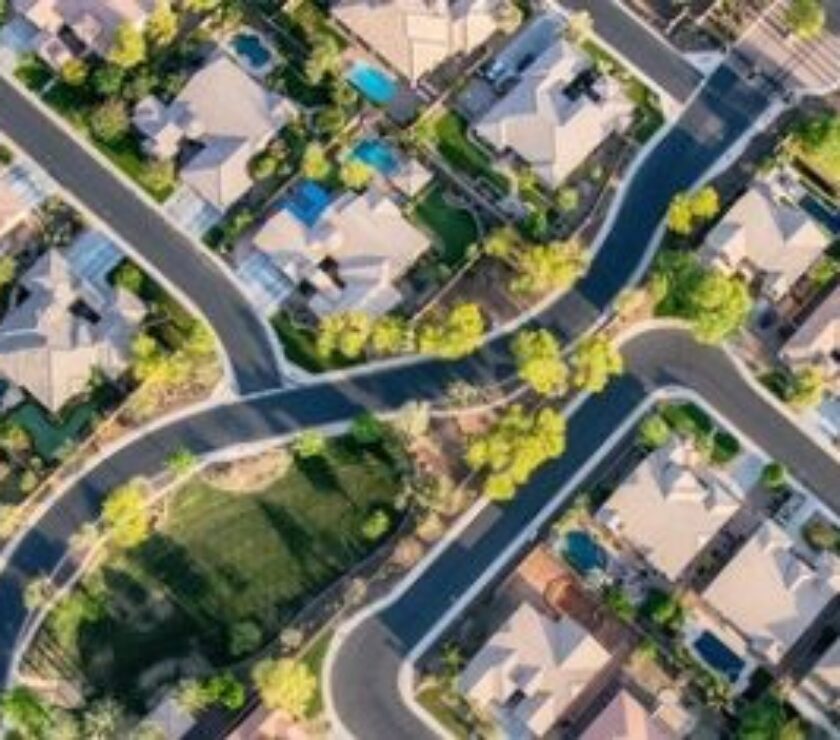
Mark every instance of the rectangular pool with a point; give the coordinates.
(377, 154)
(373, 83)
(719, 656)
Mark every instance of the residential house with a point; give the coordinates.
(91, 24)
(823, 682)
(62, 329)
(670, 507)
(557, 114)
(416, 36)
(817, 341)
(766, 238)
(347, 257)
(770, 594)
(13, 209)
(624, 718)
(229, 133)
(531, 670)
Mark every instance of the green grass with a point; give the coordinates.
(824, 161)
(223, 558)
(33, 73)
(451, 140)
(299, 346)
(51, 437)
(314, 657)
(455, 228)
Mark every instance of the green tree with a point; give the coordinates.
(129, 47)
(773, 476)
(8, 270)
(25, 713)
(595, 360)
(162, 24)
(126, 517)
(324, 60)
(806, 18)
(264, 165)
(108, 80)
(182, 461)
(502, 242)
(129, 277)
(705, 203)
(654, 431)
(568, 199)
(315, 165)
(344, 333)
(457, 335)
(74, 72)
(355, 174)
(286, 684)
(688, 209)
(366, 429)
(807, 388)
(109, 121)
(157, 175)
(664, 609)
(539, 362)
(200, 6)
(763, 719)
(376, 525)
(391, 335)
(104, 720)
(549, 267)
(309, 443)
(515, 445)
(245, 637)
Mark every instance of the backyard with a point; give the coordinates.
(455, 229)
(222, 560)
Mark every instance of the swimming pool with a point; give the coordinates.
(307, 202)
(373, 83)
(719, 656)
(377, 154)
(583, 553)
(250, 47)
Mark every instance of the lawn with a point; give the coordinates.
(824, 158)
(454, 228)
(451, 140)
(222, 559)
(314, 657)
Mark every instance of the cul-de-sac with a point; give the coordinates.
(415, 369)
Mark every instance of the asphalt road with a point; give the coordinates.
(139, 224)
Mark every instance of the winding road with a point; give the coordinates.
(718, 116)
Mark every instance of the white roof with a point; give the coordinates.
(770, 593)
(49, 346)
(13, 209)
(415, 36)
(411, 178)
(94, 21)
(819, 336)
(824, 679)
(231, 133)
(548, 661)
(765, 233)
(367, 237)
(546, 127)
(670, 506)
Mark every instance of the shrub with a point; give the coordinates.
(109, 121)
(773, 476)
(376, 525)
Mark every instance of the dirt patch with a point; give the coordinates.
(250, 474)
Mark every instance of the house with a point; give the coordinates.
(823, 682)
(531, 670)
(13, 209)
(670, 506)
(624, 718)
(557, 114)
(349, 255)
(62, 329)
(92, 24)
(817, 341)
(416, 36)
(228, 134)
(770, 594)
(765, 238)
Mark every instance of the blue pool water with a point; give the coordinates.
(824, 214)
(719, 656)
(378, 155)
(251, 47)
(307, 202)
(583, 553)
(373, 83)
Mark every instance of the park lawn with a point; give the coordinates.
(224, 558)
(455, 228)
(451, 140)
